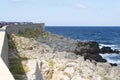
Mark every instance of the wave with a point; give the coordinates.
(112, 46)
(112, 58)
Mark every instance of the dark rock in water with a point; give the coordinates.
(91, 47)
(113, 64)
(116, 51)
(90, 50)
(108, 50)
(91, 57)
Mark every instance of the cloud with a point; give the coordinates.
(80, 6)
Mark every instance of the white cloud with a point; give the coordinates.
(80, 6)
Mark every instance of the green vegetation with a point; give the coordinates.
(51, 63)
(11, 43)
(28, 33)
(17, 68)
(18, 77)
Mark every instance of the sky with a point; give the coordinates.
(62, 12)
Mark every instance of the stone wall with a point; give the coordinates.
(4, 53)
(5, 74)
(16, 28)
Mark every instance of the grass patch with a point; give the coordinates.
(28, 33)
(18, 77)
(25, 68)
(16, 66)
(51, 63)
(11, 43)
(15, 61)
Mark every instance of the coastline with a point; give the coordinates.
(56, 60)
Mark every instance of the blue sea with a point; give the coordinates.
(106, 36)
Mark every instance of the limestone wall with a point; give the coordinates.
(5, 74)
(23, 27)
(4, 53)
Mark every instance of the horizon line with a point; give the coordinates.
(79, 26)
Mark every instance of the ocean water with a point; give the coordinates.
(106, 36)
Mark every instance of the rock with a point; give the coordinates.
(116, 51)
(90, 50)
(34, 72)
(103, 69)
(45, 66)
(115, 73)
(104, 50)
(69, 70)
(71, 56)
(55, 61)
(113, 64)
(77, 77)
(30, 48)
(91, 47)
(97, 58)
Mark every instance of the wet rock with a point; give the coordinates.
(91, 47)
(90, 50)
(97, 58)
(113, 64)
(105, 49)
(116, 51)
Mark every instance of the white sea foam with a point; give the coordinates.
(112, 46)
(112, 58)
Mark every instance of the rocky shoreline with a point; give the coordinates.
(60, 58)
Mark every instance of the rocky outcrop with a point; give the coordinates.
(104, 50)
(90, 50)
(91, 47)
(95, 57)
(78, 69)
(54, 64)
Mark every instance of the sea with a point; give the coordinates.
(105, 36)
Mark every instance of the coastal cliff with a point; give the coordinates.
(46, 56)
